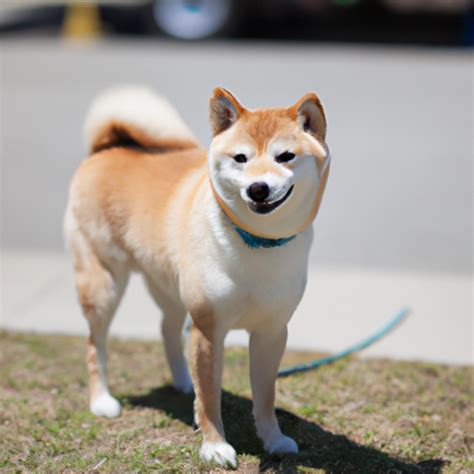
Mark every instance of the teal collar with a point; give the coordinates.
(256, 242)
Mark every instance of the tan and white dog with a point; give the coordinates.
(223, 236)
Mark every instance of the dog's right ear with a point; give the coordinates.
(224, 110)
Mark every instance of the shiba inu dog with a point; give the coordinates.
(222, 235)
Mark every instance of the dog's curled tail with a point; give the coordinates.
(134, 116)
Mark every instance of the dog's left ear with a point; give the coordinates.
(309, 112)
(224, 110)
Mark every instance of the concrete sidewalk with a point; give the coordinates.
(340, 307)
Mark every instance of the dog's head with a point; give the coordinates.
(268, 167)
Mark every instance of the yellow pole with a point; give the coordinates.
(82, 20)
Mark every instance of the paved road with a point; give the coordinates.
(395, 226)
(400, 128)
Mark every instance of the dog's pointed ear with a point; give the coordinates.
(224, 110)
(309, 112)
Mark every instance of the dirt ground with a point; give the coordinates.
(358, 415)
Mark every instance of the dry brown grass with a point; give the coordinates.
(367, 416)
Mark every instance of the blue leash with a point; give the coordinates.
(402, 314)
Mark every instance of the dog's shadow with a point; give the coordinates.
(319, 448)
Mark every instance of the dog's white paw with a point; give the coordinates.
(221, 453)
(184, 384)
(105, 405)
(281, 444)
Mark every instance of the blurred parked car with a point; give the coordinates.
(200, 19)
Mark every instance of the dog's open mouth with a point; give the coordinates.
(266, 207)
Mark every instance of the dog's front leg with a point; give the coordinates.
(266, 350)
(206, 353)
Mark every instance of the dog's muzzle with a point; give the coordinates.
(261, 206)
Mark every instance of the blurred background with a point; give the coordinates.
(395, 76)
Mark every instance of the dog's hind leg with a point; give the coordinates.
(174, 315)
(100, 290)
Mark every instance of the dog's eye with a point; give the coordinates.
(285, 157)
(240, 158)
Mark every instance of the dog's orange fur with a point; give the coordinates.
(131, 189)
(115, 132)
(148, 199)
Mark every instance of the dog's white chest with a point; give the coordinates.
(253, 287)
(269, 303)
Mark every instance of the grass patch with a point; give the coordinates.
(355, 416)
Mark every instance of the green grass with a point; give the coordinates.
(355, 416)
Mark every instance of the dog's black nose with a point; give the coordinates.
(259, 191)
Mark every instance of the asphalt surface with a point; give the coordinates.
(395, 226)
(400, 129)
